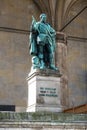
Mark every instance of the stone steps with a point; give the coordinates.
(43, 117)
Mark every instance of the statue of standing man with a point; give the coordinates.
(42, 44)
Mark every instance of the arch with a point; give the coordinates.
(73, 4)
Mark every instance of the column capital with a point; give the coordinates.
(61, 37)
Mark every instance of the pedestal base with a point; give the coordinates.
(44, 92)
(46, 108)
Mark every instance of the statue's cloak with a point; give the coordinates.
(33, 44)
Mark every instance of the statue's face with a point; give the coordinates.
(43, 18)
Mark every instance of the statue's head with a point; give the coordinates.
(43, 17)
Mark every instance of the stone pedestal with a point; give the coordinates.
(44, 92)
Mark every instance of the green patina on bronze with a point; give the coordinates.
(42, 44)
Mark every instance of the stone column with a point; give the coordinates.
(60, 56)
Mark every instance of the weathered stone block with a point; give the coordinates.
(44, 93)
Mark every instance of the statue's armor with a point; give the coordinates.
(45, 33)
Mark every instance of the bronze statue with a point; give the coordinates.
(42, 44)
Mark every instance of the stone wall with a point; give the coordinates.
(76, 55)
(17, 14)
(15, 61)
(77, 71)
(14, 67)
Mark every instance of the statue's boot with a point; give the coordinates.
(42, 64)
(52, 66)
(40, 55)
(51, 63)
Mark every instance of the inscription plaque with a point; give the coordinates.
(50, 92)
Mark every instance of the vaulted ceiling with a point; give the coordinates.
(18, 14)
(58, 11)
